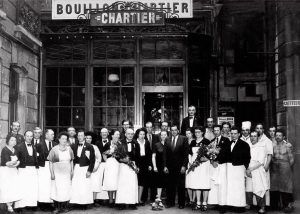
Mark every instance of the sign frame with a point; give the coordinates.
(291, 103)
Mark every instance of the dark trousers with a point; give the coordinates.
(175, 183)
(149, 185)
(283, 197)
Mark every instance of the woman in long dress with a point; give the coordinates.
(143, 161)
(97, 175)
(190, 136)
(111, 170)
(9, 189)
(199, 178)
(61, 168)
(159, 164)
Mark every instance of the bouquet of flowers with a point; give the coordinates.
(212, 151)
(202, 152)
(120, 154)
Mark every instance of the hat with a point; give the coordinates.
(246, 125)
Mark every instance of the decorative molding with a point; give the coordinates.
(29, 19)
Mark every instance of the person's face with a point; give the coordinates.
(141, 135)
(149, 128)
(189, 134)
(12, 142)
(104, 134)
(217, 131)
(191, 111)
(37, 134)
(80, 136)
(259, 129)
(253, 138)
(235, 134)
(116, 136)
(164, 126)
(88, 139)
(226, 128)
(125, 125)
(15, 127)
(49, 135)
(245, 132)
(129, 134)
(174, 131)
(28, 136)
(63, 140)
(210, 122)
(279, 137)
(163, 135)
(198, 133)
(272, 132)
(71, 132)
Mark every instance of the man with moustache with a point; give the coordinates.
(15, 128)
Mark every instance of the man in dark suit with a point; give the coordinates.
(84, 161)
(103, 143)
(72, 135)
(37, 136)
(177, 158)
(238, 161)
(15, 128)
(190, 121)
(153, 139)
(126, 124)
(44, 178)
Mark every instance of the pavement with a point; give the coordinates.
(147, 210)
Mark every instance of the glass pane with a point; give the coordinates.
(176, 50)
(113, 117)
(78, 116)
(162, 50)
(114, 50)
(128, 113)
(148, 49)
(51, 116)
(65, 76)
(64, 96)
(64, 116)
(52, 77)
(113, 76)
(99, 116)
(148, 76)
(127, 76)
(176, 76)
(162, 76)
(99, 76)
(99, 96)
(127, 50)
(51, 96)
(113, 96)
(78, 96)
(127, 96)
(99, 50)
(79, 51)
(78, 76)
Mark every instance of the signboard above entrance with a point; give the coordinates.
(72, 9)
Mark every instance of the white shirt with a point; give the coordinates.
(79, 150)
(129, 147)
(103, 143)
(29, 149)
(142, 147)
(72, 140)
(218, 139)
(233, 144)
(246, 139)
(36, 141)
(47, 144)
(192, 121)
(176, 138)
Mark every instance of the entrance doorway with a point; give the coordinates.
(160, 107)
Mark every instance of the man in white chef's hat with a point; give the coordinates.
(246, 126)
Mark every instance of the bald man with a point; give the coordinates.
(103, 143)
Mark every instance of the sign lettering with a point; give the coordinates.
(291, 103)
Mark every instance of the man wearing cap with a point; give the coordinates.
(246, 126)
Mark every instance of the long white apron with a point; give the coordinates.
(9, 184)
(218, 191)
(127, 191)
(97, 183)
(81, 191)
(44, 179)
(236, 186)
(29, 189)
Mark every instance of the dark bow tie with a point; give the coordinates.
(29, 144)
(191, 117)
(80, 144)
(104, 141)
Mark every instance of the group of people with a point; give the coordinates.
(217, 165)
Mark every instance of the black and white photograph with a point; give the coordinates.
(145, 106)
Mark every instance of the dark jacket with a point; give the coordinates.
(155, 139)
(83, 160)
(133, 155)
(240, 155)
(43, 152)
(23, 155)
(224, 145)
(147, 159)
(178, 157)
(186, 124)
(102, 148)
(19, 137)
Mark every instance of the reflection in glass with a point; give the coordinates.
(162, 76)
(127, 76)
(78, 116)
(99, 116)
(148, 49)
(64, 116)
(128, 50)
(99, 96)
(113, 76)
(78, 96)
(113, 96)
(148, 76)
(64, 96)
(113, 117)
(127, 96)
(162, 49)
(128, 113)
(99, 76)
(78, 76)
(65, 76)
(176, 76)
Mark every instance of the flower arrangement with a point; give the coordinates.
(202, 152)
(213, 151)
